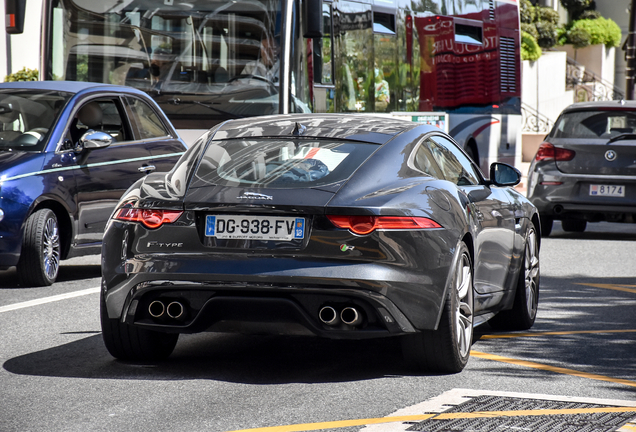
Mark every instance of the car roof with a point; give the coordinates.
(65, 86)
(601, 105)
(367, 128)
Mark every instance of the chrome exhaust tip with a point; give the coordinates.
(350, 316)
(175, 310)
(328, 315)
(156, 309)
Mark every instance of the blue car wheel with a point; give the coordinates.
(40, 257)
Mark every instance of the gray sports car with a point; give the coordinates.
(337, 226)
(585, 171)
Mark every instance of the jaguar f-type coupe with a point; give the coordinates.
(336, 226)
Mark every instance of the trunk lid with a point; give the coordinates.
(598, 157)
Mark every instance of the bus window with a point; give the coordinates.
(323, 53)
(200, 49)
(353, 41)
(324, 89)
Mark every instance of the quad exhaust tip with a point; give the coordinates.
(174, 310)
(348, 315)
(328, 315)
(156, 309)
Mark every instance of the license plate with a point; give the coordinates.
(607, 190)
(254, 227)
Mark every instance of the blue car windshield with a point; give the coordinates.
(27, 117)
(280, 163)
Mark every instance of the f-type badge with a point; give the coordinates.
(255, 196)
(610, 155)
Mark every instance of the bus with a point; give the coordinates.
(452, 63)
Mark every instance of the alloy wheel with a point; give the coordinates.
(531, 273)
(51, 248)
(464, 306)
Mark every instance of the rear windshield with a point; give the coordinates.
(280, 163)
(594, 124)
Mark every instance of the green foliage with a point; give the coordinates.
(548, 36)
(576, 7)
(530, 29)
(578, 37)
(23, 75)
(590, 14)
(81, 73)
(530, 49)
(527, 12)
(601, 31)
(547, 14)
(562, 38)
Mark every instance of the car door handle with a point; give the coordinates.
(147, 168)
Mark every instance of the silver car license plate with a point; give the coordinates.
(607, 190)
(254, 227)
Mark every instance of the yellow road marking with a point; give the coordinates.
(554, 369)
(629, 427)
(555, 333)
(626, 288)
(338, 424)
(442, 416)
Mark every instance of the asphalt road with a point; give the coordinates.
(56, 374)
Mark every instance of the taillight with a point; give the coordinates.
(548, 151)
(362, 225)
(150, 218)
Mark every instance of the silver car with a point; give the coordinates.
(585, 171)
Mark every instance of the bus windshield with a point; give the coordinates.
(202, 60)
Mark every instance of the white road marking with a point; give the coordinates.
(51, 299)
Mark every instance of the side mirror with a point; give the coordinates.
(312, 18)
(93, 140)
(90, 141)
(502, 174)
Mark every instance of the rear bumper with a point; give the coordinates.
(260, 310)
(565, 196)
(285, 292)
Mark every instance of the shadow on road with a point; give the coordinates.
(596, 326)
(598, 231)
(226, 357)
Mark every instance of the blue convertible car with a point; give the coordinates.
(68, 151)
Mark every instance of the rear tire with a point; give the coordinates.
(127, 342)
(524, 310)
(39, 262)
(573, 225)
(447, 349)
(546, 226)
